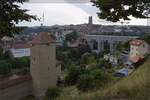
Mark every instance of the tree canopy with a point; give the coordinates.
(115, 10)
(10, 15)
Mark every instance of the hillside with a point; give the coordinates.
(134, 87)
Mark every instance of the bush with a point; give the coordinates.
(20, 62)
(85, 82)
(93, 79)
(5, 68)
(52, 92)
(73, 75)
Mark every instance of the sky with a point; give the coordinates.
(64, 13)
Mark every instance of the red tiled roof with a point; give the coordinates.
(20, 45)
(11, 82)
(42, 38)
(136, 59)
(137, 42)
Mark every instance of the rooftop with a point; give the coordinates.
(137, 42)
(42, 38)
(20, 44)
(136, 59)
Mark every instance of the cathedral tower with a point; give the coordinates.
(90, 20)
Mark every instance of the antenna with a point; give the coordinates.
(43, 19)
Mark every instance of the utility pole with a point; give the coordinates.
(43, 19)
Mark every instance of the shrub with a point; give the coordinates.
(73, 75)
(52, 92)
(5, 68)
(85, 82)
(95, 78)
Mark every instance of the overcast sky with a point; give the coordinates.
(62, 13)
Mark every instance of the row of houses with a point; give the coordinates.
(139, 49)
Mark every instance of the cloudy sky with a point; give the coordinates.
(63, 12)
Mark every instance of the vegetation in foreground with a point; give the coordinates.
(134, 87)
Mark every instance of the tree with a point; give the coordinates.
(71, 36)
(115, 10)
(104, 63)
(5, 68)
(10, 15)
(73, 75)
(146, 38)
(85, 82)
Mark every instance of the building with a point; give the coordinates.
(43, 64)
(138, 50)
(20, 49)
(44, 72)
(101, 43)
(90, 20)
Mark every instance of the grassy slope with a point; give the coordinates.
(134, 87)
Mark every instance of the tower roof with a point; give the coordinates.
(42, 38)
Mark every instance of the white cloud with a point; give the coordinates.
(64, 13)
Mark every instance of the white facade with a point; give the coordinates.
(140, 50)
(21, 52)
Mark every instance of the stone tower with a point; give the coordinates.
(43, 64)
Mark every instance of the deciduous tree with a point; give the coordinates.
(115, 10)
(10, 15)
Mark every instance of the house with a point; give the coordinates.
(138, 50)
(20, 49)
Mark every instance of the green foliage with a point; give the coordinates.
(71, 36)
(22, 62)
(89, 58)
(104, 64)
(115, 10)
(92, 79)
(85, 82)
(52, 92)
(5, 68)
(4, 55)
(73, 75)
(124, 46)
(10, 15)
(146, 38)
